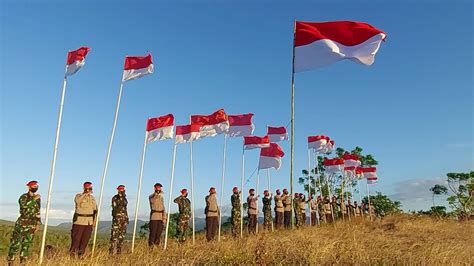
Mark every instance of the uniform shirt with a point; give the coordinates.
(327, 208)
(119, 208)
(278, 203)
(184, 205)
(235, 200)
(252, 205)
(30, 206)
(157, 207)
(287, 202)
(302, 205)
(357, 210)
(314, 205)
(85, 205)
(212, 209)
(343, 207)
(267, 203)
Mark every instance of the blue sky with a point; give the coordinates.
(412, 109)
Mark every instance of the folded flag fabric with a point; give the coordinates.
(137, 67)
(160, 128)
(76, 60)
(240, 125)
(254, 142)
(318, 44)
(277, 134)
(271, 157)
(333, 165)
(351, 160)
(187, 133)
(317, 143)
(213, 124)
(369, 173)
(329, 147)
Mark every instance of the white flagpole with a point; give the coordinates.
(292, 146)
(368, 200)
(107, 158)
(170, 195)
(242, 194)
(137, 204)
(258, 182)
(53, 168)
(360, 197)
(309, 185)
(191, 170)
(269, 189)
(316, 170)
(222, 187)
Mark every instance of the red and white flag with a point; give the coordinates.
(240, 125)
(187, 133)
(358, 173)
(317, 143)
(334, 165)
(277, 134)
(329, 147)
(76, 60)
(318, 44)
(160, 128)
(271, 157)
(254, 142)
(369, 173)
(137, 67)
(351, 160)
(213, 124)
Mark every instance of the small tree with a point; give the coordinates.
(382, 204)
(438, 190)
(462, 187)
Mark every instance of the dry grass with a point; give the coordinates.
(395, 240)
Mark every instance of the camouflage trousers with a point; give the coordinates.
(267, 219)
(117, 235)
(182, 227)
(22, 238)
(235, 221)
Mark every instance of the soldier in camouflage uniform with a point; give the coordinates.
(235, 214)
(267, 210)
(296, 209)
(184, 207)
(27, 224)
(119, 221)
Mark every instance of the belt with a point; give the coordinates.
(157, 211)
(84, 215)
(211, 211)
(252, 208)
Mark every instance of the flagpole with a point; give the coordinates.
(222, 187)
(292, 119)
(258, 182)
(269, 189)
(53, 168)
(368, 200)
(360, 197)
(169, 198)
(330, 197)
(309, 185)
(111, 140)
(316, 165)
(242, 194)
(140, 176)
(192, 189)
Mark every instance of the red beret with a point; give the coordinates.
(285, 190)
(212, 189)
(250, 190)
(32, 184)
(184, 191)
(265, 191)
(277, 190)
(87, 185)
(121, 188)
(157, 186)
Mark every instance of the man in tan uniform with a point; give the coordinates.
(252, 211)
(83, 220)
(302, 208)
(157, 215)
(357, 211)
(313, 207)
(212, 214)
(286, 198)
(278, 209)
(328, 211)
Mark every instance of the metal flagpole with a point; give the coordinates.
(191, 170)
(137, 204)
(53, 168)
(169, 199)
(318, 215)
(107, 158)
(309, 185)
(292, 120)
(242, 194)
(258, 182)
(368, 200)
(222, 187)
(269, 188)
(330, 198)
(317, 175)
(360, 197)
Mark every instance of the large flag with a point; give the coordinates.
(160, 128)
(254, 142)
(137, 67)
(213, 124)
(318, 143)
(318, 44)
(351, 160)
(369, 173)
(240, 125)
(271, 157)
(76, 60)
(277, 134)
(334, 165)
(329, 147)
(187, 133)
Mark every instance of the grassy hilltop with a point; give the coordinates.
(402, 239)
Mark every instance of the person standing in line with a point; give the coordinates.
(328, 210)
(83, 220)
(252, 211)
(286, 198)
(278, 209)
(313, 210)
(157, 215)
(267, 210)
(212, 214)
(296, 208)
(236, 211)
(302, 207)
(119, 221)
(184, 208)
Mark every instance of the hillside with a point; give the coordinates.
(395, 240)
